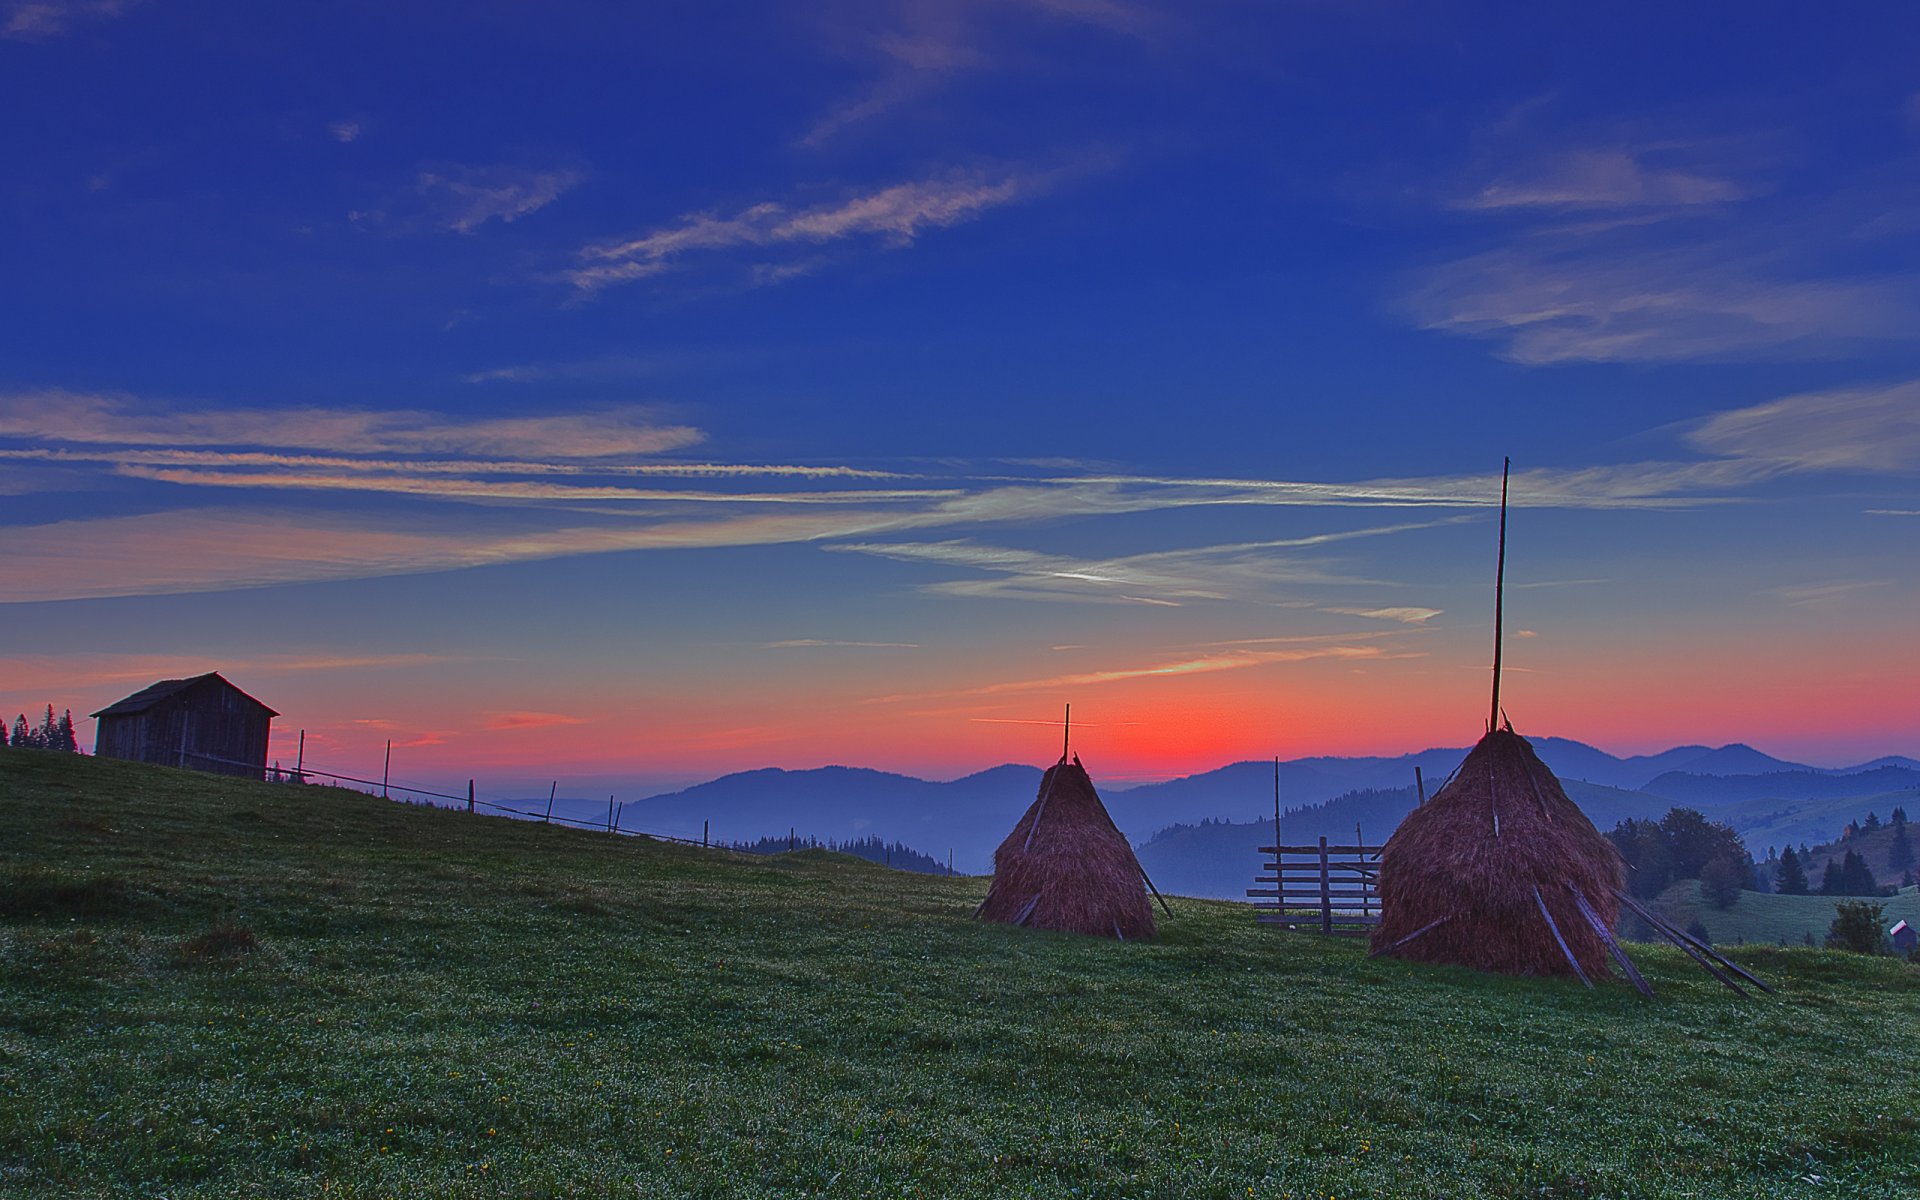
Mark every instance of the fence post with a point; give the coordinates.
(386, 770)
(609, 814)
(550, 792)
(469, 795)
(299, 764)
(704, 825)
(1326, 890)
(617, 814)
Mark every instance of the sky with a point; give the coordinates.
(629, 394)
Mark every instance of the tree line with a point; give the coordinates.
(52, 734)
(893, 854)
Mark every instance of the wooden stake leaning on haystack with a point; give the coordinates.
(1499, 870)
(1066, 865)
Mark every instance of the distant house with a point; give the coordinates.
(203, 723)
(1904, 938)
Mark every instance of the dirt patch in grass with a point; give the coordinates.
(45, 893)
(224, 942)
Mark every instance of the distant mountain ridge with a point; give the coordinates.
(969, 816)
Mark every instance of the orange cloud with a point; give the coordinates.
(531, 720)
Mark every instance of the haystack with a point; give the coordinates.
(1066, 866)
(1500, 871)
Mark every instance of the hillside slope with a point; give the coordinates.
(212, 988)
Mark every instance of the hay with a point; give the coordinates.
(1066, 866)
(1469, 861)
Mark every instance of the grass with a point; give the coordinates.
(216, 988)
(1768, 917)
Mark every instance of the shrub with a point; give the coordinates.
(1857, 926)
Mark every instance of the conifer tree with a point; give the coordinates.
(68, 741)
(1900, 853)
(1830, 881)
(1792, 879)
(22, 736)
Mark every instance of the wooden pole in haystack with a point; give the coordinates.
(1066, 733)
(1499, 596)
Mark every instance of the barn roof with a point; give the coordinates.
(147, 697)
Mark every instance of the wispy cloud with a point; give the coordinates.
(514, 721)
(891, 216)
(39, 20)
(1233, 660)
(918, 48)
(812, 643)
(1565, 296)
(31, 673)
(1405, 615)
(1816, 594)
(1637, 246)
(62, 417)
(1610, 177)
(1169, 578)
(453, 198)
(344, 131)
(469, 197)
(1862, 429)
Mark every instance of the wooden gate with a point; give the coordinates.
(1328, 889)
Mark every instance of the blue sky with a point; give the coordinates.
(696, 387)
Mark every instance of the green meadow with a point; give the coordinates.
(216, 988)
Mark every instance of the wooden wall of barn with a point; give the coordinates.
(208, 727)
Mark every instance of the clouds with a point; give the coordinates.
(462, 492)
(1861, 429)
(1603, 177)
(40, 20)
(894, 216)
(1634, 246)
(63, 417)
(457, 198)
(918, 48)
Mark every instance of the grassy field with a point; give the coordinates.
(1765, 917)
(218, 988)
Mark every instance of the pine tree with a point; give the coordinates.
(1793, 876)
(1830, 882)
(1899, 816)
(1873, 823)
(1900, 853)
(68, 741)
(23, 736)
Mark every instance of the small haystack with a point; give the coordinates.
(1066, 866)
(1500, 871)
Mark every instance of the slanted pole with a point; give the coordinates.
(609, 814)
(1614, 948)
(386, 769)
(1499, 597)
(550, 794)
(300, 763)
(1420, 786)
(1554, 926)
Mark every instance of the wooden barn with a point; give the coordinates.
(203, 723)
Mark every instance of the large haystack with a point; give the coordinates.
(1476, 865)
(1066, 866)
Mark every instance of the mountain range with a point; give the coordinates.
(1763, 797)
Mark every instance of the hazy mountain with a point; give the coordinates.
(1703, 790)
(1220, 858)
(970, 816)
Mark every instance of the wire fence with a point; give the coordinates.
(300, 774)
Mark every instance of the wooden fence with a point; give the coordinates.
(1330, 889)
